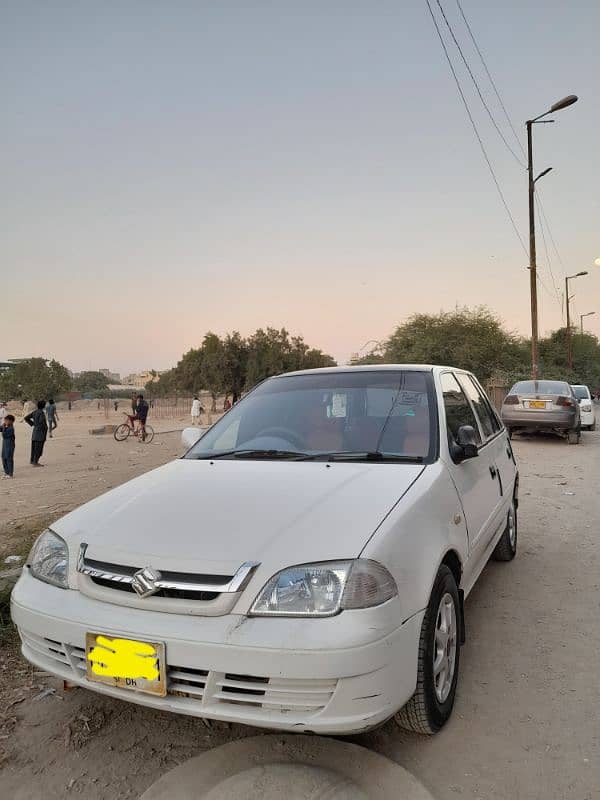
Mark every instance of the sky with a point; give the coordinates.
(170, 168)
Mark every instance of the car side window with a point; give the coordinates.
(457, 407)
(489, 424)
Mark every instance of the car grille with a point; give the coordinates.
(145, 587)
(210, 690)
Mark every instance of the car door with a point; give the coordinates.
(496, 448)
(475, 478)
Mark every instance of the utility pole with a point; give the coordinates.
(566, 101)
(532, 259)
(581, 316)
(567, 303)
(569, 349)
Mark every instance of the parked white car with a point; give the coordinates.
(586, 405)
(303, 567)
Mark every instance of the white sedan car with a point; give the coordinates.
(586, 406)
(303, 566)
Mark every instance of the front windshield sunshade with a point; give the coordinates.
(361, 415)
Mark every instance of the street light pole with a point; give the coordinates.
(581, 316)
(567, 299)
(566, 101)
(532, 259)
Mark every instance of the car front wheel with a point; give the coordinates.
(439, 649)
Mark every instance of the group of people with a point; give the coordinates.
(43, 420)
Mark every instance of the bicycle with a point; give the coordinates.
(126, 429)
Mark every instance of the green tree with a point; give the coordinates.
(235, 363)
(212, 366)
(586, 357)
(35, 379)
(472, 339)
(271, 352)
(91, 382)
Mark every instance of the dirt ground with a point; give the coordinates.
(526, 718)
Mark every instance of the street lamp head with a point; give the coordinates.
(566, 101)
(579, 274)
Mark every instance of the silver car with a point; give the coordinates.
(543, 405)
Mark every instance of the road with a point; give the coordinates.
(526, 719)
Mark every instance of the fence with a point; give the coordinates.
(163, 407)
(497, 391)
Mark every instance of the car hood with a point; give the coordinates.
(209, 517)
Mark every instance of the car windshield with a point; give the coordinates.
(541, 387)
(581, 392)
(354, 415)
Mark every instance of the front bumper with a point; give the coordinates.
(238, 669)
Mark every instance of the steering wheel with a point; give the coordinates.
(284, 433)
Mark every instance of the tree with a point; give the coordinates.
(272, 352)
(35, 379)
(211, 366)
(586, 357)
(472, 339)
(235, 362)
(91, 382)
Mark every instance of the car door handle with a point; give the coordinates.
(493, 471)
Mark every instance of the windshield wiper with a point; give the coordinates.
(365, 455)
(254, 453)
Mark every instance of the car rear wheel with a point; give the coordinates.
(431, 705)
(573, 437)
(506, 549)
(592, 427)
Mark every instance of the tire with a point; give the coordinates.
(122, 432)
(592, 427)
(573, 437)
(149, 435)
(426, 712)
(506, 549)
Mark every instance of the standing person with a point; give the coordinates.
(8, 445)
(226, 405)
(37, 420)
(196, 411)
(141, 414)
(116, 404)
(52, 416)
(3, 412)
(133, 402)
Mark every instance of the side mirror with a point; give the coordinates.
(189, 436)
(467, 446)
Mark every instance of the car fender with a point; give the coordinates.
(417, 535)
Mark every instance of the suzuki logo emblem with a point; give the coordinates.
(144, 581)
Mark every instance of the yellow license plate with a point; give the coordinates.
(126, 663)
(537, 404)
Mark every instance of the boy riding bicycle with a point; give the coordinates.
(141, 415)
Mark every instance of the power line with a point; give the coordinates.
(474, 79)
(539, 203)
(549, 229)
(497, 93)
(547, 254)
(474, 126)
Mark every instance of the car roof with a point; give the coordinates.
(580, 385)
(436, 368)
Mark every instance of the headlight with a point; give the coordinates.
(322, 590)
(586, 407)
(49, 560)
